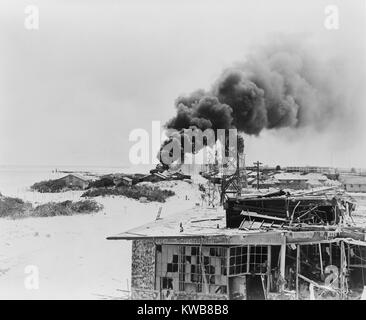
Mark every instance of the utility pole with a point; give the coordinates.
(238, 175)
(257, 164)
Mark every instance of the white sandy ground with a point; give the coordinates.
(74, 259)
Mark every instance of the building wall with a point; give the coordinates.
(199, 296)
(355, 187)
(145, 294)
(74, 181)
(186, 272)
(194, 269)
(143, 264)
(146, 279)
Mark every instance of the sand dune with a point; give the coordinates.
(74, 259)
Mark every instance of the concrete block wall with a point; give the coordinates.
(199, 296)
(144, 294)
(143, 276)
(143, 264)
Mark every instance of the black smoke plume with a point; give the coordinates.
(277, 86)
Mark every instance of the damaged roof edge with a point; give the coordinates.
(245, 238)
(128, 236)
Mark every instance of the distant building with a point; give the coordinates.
(75, 180)
(154, 177)
(179, 176)
(354, 183)
(311, 169)
(293, 184)
(119, 179)
(127, 181)
(294, 181)
(291, 181)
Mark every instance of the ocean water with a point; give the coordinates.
(16, 180)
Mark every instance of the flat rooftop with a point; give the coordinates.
(208, 226)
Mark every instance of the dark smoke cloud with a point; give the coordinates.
(203, 111)
(277, 86)
(245, 99)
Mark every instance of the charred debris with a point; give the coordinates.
(290, 210)
(323, 252)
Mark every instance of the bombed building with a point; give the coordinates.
(275, 246)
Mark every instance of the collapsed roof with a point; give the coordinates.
(284, 208)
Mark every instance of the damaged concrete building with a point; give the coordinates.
(274, 246)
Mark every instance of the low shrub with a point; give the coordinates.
(49, 186)
(14, 207)
(85, 206)
(52, 209)
(17, 208)
(66, 208)
(101, 183)
(134, 192)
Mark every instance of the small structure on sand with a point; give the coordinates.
(74, 180)
(354, 183)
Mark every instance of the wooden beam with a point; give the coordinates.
(357, 266)
(265, 290)
(269, 263)
(228, 271)
(248, 257)
(283, 262)
(297, 270)
(342, 269)
(330, 253)
(317, 284)
(321, 259)
(207, 290)
(261, 216)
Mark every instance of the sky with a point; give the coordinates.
(73, 90)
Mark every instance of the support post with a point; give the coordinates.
(330, 253)
(321, 260)
(269, 263)
(297, 271)
(283, 262)
(248, 258)
(228, 271)
(341, 274)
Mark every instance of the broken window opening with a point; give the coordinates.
(193, 269)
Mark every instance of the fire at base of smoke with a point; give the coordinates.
(203, 146)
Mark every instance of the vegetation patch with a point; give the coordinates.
(14, 207)
(53, 186)
(151, 193)
(102, 183)
(17, 208)
(66, 208)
